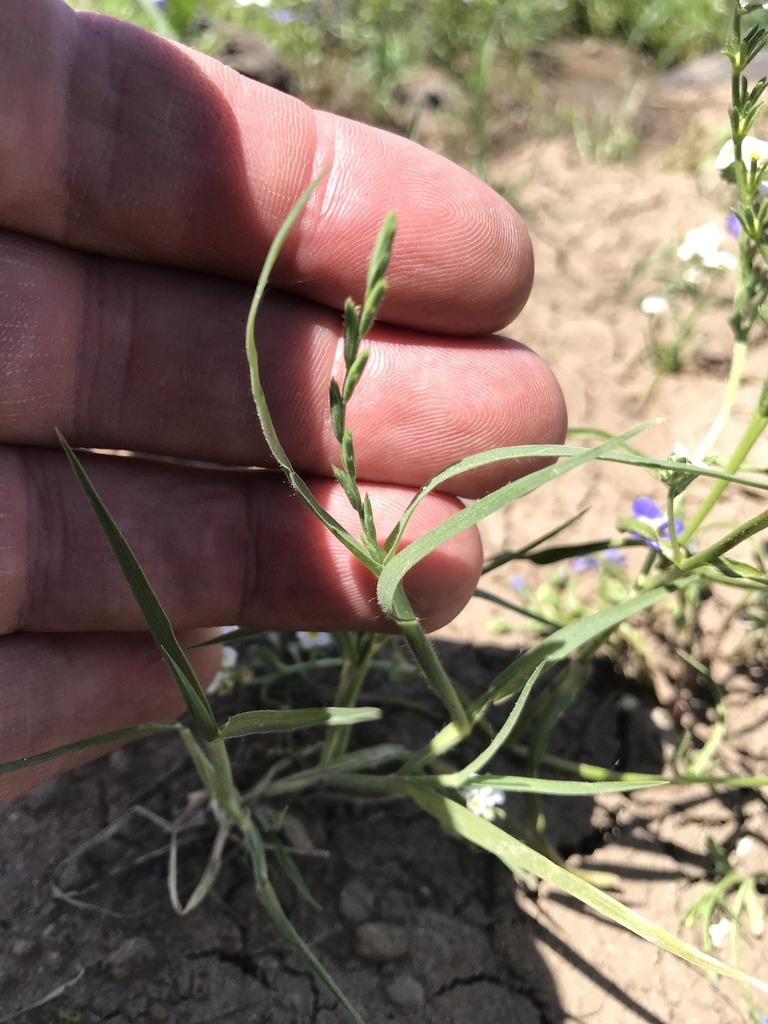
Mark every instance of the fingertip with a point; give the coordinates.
(440, 584)
(462, 259)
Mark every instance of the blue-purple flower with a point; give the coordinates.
(645, 510)
(585, 563)
(733, 224)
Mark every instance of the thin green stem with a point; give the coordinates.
(739, 325)
(260, 401)
(674, 541)
(735, 375)
(675, 573)
(757, 424)
(355, 666)
(425, 655)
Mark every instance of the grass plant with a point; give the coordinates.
(452, 778)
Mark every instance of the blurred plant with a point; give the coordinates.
(732, 902)
(686, 284)
(671, 30)
(607, 136)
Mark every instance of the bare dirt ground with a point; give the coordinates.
(414, 925)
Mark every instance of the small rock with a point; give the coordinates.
(356, 902)
(269, 970)
(76, 875)
(22, 947)
(381, 942)
(53, 959)
(158, 1012)
(121, 760)
(406, 991)
(131, 956)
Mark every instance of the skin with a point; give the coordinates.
(140, 187)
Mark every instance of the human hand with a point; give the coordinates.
(140, 187)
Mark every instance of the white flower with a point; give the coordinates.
(311, 638)
(719, 932)
(722, 260)
(751, 149)
(228, 657)
(484, 801)
(692, 275)
(681, 454)
(654, 305)
(753, 5)
(253, 3)
(703, 243)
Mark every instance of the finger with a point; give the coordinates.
(57, 690)
(121, 142)
(122, 355)
(218, 547)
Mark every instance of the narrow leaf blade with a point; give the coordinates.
(250, 723)
(157, 621)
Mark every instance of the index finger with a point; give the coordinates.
(123, 143)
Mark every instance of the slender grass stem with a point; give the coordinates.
(756, 426)
(425, 655)
(355, 666)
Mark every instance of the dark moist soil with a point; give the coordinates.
(413, 924)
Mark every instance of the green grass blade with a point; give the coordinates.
(546, 787)
(130, 733)
(564, 552)
(251, 723)
(194, 697)
(398, 563)
(260, 399)
(510, 556)
(568, 639)
(157, 621)
(271, 904)
(501, 737)
(516, 608)
(517, 856)
(576, 455)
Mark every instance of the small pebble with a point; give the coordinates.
(356, 902)
(406, 991)
(662, 719)
(269, 969)
(121, 760)
(628, 703)
(381, 942)
(22, 947)
(131, 956)
(76, 875)
(158, 1012)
